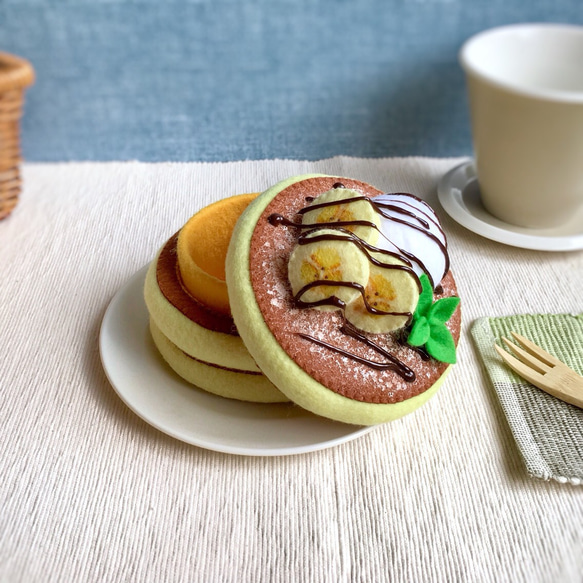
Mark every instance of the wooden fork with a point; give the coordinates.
(543, 370)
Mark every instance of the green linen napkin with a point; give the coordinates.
(548, 432)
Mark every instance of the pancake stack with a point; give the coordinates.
(322, 290)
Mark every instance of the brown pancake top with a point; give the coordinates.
(172, 288)
(271, 246)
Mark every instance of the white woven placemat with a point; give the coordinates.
(89, 492)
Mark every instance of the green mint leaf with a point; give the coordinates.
(442, 310)
(425, 298)
(419, 334)
(440, 344)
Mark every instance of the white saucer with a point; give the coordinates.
(160, 397)
(459, 194)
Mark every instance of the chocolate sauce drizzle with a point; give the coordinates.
(305, 238)
(339, 303)
(366, 248)
(277, 219)
(382, 209)
(392, 363)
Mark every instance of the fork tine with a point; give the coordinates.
(527, 357)
(535, 350)
(522, 369)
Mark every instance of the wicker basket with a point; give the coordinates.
(15, 75)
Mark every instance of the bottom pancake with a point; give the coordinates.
(240, 385)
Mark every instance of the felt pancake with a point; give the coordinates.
(233, 384)
(200, 341)
(358, 378)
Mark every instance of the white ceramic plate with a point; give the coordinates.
(154, 392)
(459, 194)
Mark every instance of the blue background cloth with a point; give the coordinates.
(249, 79)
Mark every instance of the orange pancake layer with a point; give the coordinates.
(202, 248)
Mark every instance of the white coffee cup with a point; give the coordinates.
(525, 85)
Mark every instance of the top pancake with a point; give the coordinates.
(269, 250)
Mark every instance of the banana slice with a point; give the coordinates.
(389, 289)
(336, 211)
(331, 257)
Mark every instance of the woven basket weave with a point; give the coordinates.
(15, 75)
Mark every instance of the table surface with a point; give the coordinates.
(217, 80)
(90, 492)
